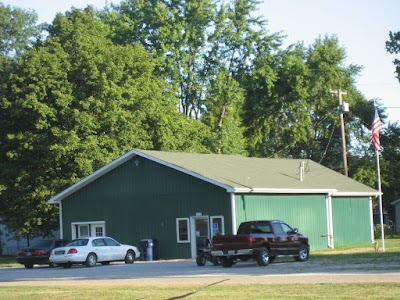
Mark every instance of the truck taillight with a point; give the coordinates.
(250, 240)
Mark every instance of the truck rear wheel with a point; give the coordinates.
(263, 257)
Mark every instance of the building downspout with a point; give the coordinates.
(329, 221)
(233, 213)
(60, 219)
(371, 218)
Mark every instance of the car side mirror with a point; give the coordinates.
(295, 230)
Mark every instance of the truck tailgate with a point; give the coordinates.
(231, 242)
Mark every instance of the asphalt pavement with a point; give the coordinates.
(187, 272)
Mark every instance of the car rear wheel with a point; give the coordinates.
(263, 257)
(129, 257)
(28, 266)
(304, 253)
(91, 260)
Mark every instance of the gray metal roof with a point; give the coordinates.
(240, 174)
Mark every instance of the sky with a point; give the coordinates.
(362, 27)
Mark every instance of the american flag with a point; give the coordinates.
(376, 129)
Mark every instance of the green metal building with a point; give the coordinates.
(177, 198)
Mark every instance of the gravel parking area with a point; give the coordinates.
(187, 272)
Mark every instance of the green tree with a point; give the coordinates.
(393, 47)
(74, 103)
(290, 111)
(223, 115)
(276, 114)
(175, 33)
(194, 43)
(390, 159)
(237, 43)
(18, 30)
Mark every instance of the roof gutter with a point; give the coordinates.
(356, 194)
(284, 191)
(333, 192)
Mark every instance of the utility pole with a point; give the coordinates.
(342, 109)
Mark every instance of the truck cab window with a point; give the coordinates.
(287, 228)
(277, 228)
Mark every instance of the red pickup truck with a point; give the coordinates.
(262, 241)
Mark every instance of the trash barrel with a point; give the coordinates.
(147, 246)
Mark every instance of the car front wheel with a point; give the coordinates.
(129, 257)
(91, 260)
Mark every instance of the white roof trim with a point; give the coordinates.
(356, 194)
(284, 191)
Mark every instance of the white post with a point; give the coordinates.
(60, 220)
(233, 212)
(371, 219)
(380, 201)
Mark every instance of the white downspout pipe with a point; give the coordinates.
(233, 213)
(371, 218)
(60, 220)
(329, 221)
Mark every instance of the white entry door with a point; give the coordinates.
(199, 233)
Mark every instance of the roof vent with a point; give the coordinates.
(301, 171)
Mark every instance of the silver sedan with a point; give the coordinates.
(91, 250)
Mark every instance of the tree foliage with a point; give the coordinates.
(18, 30)
(74, 103)
(184, 75)
(393, 47)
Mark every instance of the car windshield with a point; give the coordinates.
(41, 244)
(79, 242)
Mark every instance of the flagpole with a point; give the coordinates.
(380, 201)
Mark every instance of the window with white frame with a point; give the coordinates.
(86, 229)
(83, 230)
(182, 230)
(217, 225)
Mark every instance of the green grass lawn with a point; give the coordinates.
(343, 254)
(251, 291)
